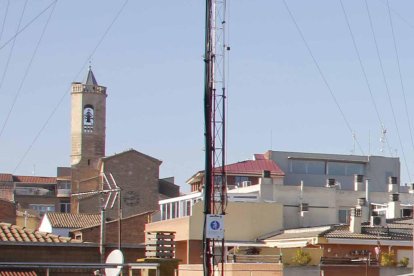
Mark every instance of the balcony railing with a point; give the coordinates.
(32, 191)
(64, 192)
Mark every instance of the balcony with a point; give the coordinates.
(33, 191)
(64, 192)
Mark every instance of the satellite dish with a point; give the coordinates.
(115, 257)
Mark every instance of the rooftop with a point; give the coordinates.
(68, 220)
(14, 233)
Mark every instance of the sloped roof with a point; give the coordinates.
(371, 233)
(14, 233)
(247, 167)
(16, 272)
(134, 152)
(90, 79)
(6, 177)
(306, 232)
(115, 221)
(34, 179)
(67, 220)
(254, 167)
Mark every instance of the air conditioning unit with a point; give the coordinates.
(246, 183)
(378, 221)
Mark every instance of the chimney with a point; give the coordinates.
(392, 184)
(393, 207)
(358, 182)
(355, 223)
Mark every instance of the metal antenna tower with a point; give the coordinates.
(215, 186)
(109, 193)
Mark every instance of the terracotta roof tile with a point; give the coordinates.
(16, 272)
(14, 233)
(34, 179)
(6, 177)
(67, 220)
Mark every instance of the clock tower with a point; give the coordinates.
(88, 122)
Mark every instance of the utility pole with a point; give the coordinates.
(215, 186)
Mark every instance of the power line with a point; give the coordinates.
(42, 128)
(27, 25)
(400, 74)
(364, 73)
(26, 71)
(12, 47)
(323, 77)
(4, 19)
(386, 87)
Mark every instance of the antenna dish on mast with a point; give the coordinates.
(115, 257)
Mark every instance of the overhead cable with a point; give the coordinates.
(12, 47)
(43, 127)
(387, 87)
(19, 31)
(383, 129)
(26, 72)
(323, 77)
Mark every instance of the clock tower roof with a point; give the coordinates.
(90, 79)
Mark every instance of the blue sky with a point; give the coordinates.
(151, 62)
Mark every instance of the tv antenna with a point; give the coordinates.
(109, 193)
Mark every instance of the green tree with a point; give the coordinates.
(301, 258)
(388, 259)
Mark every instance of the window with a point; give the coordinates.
(64, 207)
(341, 168)
(42, 208)
(65, 185)
(239, 179)
(343, 216)
(307, 167)
(88, 118)
(188, 208)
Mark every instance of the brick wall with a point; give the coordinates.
(132, 231)
(7, 211)
(137, 174)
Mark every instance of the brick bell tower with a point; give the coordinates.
(88, 119)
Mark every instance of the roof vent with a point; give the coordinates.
(330, 182)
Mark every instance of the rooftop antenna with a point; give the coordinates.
(109, 193)
(383, 139)
(215, 186)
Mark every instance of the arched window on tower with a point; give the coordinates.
(88, 118)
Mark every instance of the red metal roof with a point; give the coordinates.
(254, 167)
(34, 179)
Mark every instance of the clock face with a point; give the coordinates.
(88, 116)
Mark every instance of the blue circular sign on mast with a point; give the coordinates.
(215, 225)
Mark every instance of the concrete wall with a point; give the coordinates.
(244, 221)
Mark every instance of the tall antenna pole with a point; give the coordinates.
(215, 186)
